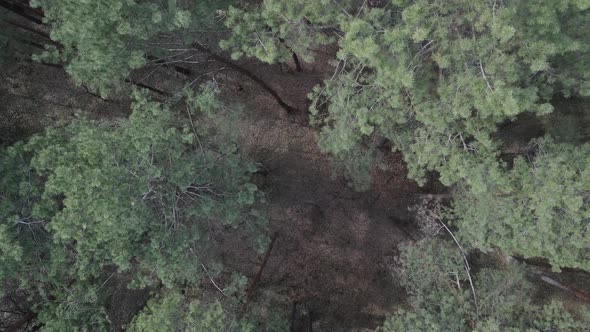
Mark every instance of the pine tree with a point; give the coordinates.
(138, 199)
(440, 299)
(275, 31)
(537, 208)
(437, 77)
(103, 41)
(173, 312)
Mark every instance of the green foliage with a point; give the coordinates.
(503, 293)
(274, 29)
(441, 300)
(538, 209)
(436, 78)
(76, 308)
(151, 181)
(428, 265)
(104, 40)
(438, 88)
(98, 36)
(173, 312)
(356, 164)
(554, 317)
(426, 321)
(11, 254)
(24, 240)
(140, 197)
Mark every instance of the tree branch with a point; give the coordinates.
(256, 279)
(20, 10)
(467, 267)
(16, 326)
(247, 73)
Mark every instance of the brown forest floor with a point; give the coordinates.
(333, 243)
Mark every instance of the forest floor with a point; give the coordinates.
(335, 246)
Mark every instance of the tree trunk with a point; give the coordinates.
(17, 326)
(256, 279)
(293, 317)
(21, 10)
(151, 88)
(297, 63)
(247, 73)
(578, 294)
(294, 55)
(29, 29)
(181, 70)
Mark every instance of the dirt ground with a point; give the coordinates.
(34, 96)
(332, 242)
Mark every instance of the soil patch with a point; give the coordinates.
(333, 243)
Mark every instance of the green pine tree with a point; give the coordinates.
(138, 199)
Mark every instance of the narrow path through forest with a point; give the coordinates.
(334, 244)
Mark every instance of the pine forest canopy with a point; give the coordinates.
(140, 198)
(442, 303)
(102, 41)
(437, 78)
(438, 81)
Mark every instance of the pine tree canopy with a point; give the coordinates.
(456, 131)
(139, 198)
(436, 79)
(104, 40)
(440, 298)
(539, 208)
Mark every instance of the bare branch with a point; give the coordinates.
(467, 266)
(483, 73)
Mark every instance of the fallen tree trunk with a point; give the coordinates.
(247, 73)
(21, 10)
(151, 88)
(181, 70)
(578, 294)
(256, 279)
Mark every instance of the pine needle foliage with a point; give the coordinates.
(103, 41)
(436, 78)
(440, 299)
(539, 208)
(139, 199)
